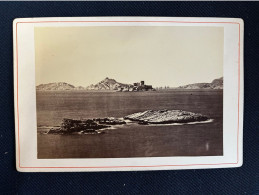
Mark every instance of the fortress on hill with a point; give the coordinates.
(136, 87)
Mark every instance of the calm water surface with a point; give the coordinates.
(205, 139)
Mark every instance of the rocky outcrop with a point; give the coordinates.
(215, 84)
(71, 126)
(165, 117)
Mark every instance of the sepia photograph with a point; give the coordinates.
(129, 91)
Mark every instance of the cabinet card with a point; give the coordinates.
(128, 93)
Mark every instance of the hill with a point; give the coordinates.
(55, 86)
(215, 84)
(107, 84)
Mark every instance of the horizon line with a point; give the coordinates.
(116, 81)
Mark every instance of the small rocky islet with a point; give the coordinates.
(88, 126)
(93, 126)
(166, 117)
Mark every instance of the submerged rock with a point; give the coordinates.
(165, 117)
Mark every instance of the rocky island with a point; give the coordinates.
(92, 126)
(215, 84)
(166, 117)
(85, 126)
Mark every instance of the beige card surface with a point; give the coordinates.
(128, 93)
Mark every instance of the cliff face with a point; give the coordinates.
(107, 84)
(55, 86)
(215, 84)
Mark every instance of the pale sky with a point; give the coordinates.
(161, 56)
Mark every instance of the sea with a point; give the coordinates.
(130, 140)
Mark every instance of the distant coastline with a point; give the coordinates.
(109, 84)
